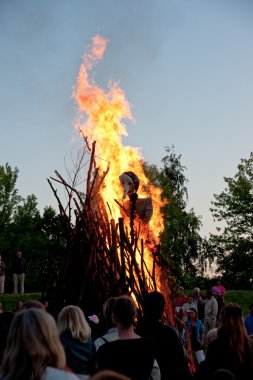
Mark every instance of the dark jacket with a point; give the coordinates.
(18, 265)
(167, 347)
(132, 357)
(79, 355)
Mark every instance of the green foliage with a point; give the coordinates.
(181, 242)
(233, 246)
(9, 200)
(9, 197)
(23, 228)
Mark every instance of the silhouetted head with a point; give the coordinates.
(124, 311)
(209, 293)
(153, 305)
(19, 254)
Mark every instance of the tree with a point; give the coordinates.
(41, 240)
(22, 227)
(9, 199)
(233, 246)
(181, 243)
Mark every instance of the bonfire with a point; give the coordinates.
(113, 248)
(112, 218)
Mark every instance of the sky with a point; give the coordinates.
(184, 65)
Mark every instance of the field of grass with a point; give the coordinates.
(242, 297)
(9, 301)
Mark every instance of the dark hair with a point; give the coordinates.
(107, 311)
(32, 304)
(153, 305)
(124, 310)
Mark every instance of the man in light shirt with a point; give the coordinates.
(211, 310)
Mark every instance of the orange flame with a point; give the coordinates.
(104, 114)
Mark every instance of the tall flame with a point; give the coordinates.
(104, 114)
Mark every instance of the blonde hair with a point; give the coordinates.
(72, 319)
(33, 344)
(232, 331)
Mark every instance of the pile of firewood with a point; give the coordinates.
(101, 259)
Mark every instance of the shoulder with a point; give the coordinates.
(57, 374)
(110, 336)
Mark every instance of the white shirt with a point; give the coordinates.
(110, 336)
(58, 374)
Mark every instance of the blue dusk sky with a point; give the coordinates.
(185, 66)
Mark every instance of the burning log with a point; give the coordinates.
(102, 258)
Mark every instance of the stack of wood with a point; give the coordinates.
(101, 259)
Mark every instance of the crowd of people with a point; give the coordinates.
(132, 345)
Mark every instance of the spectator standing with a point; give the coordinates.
(2, 275)
(210, 311)
(195, 328)
(187, 306)
(218, 289)
(249, 321)
(130, 355)
(232, 350)
(75, 335)
(179, 300)
(33, 349)
(196, 295)
(200, 306)
(162, 338)
(18, 271)
(112, 331)
(219, 293)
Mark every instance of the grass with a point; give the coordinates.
(242, 297)
(10, 301)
